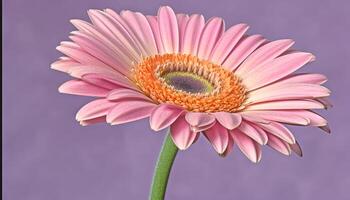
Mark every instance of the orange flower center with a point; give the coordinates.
(194, 84)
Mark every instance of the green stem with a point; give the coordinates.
(161, 172)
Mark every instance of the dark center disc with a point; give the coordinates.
(188, 82)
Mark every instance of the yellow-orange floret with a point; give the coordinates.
(228, 95)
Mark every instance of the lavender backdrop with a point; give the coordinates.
(49, 156)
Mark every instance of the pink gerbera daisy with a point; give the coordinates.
(193, 76)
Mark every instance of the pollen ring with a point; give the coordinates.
(194, 84)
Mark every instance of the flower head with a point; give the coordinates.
(193, 76)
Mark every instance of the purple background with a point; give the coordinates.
(49, 156)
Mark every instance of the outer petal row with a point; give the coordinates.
(246, 135)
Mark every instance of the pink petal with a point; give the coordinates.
(139, 25)
(252, 132)
(279, 145)
(117, 60)
(245, 47)
(296, 149)
(229, 147)
(79, 71)
(93, 121)
(78, 54)
(276, 69)
(104, 73)
(164, 115)
(128, 111)
(227, 42)
(127, 34)
(248, 147)
(70, 45)
(228, 120)
(263, 55)
(286, 105)
(196, 138)
(253, 118)
(304, 78)
(314, 118)
(65, 58)
(201, 128)
(325, 101)
(126, 95)
(181, 134)
(279, 116)
(260, 131)
(199, 120)
(192, 34)
(218, 137)
(154, 25)
(101, 81)
(94, 109)
(279, 130)
(64, 65)
(169, 30)
(287, 91)
(79, 87)
(182, 20)
(110, 31)
(291, 116)
(210, 35)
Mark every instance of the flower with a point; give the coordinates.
(193, 76)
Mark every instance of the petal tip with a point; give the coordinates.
(165, 7)
(109, 120)
(54, 65)
(181, 146)
(290, 41)
(326, 128)
(243, 25)
(92, 11)
(74, 21)
(154, 127)
(61, 88)
(256, 159)
(81, 123)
